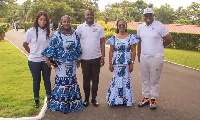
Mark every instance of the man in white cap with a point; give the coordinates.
(153, 36)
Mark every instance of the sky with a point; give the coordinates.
(173, 3)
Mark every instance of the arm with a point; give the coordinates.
(110, 58)
(133, 54)
(139, 49)
(167, 40)
(26, 46)
(49, 64)
(102, 45)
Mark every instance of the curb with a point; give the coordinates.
(44, 108)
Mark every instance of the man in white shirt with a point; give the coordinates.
(93, 52)
(153, 36)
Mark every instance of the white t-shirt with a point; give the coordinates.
(37, 46)
(152, 38)
(90, 40)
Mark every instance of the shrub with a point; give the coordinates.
(109, 33)
(185, 41)
(27, 25)
(4, 28)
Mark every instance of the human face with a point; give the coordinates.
(66, 22)
(89, 17)
(42, 21)
(148, 18)
(121, 25)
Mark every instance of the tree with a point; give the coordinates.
(58, 9)
(194, 13)
(165, 14)
(25, 7)
(39, 6)
(4, 5)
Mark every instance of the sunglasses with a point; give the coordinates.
(122, 25)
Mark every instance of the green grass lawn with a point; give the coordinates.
(16, 85)
(188, 58)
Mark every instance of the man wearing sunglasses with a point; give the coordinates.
(153, 36)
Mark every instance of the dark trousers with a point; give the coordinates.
(90, 70)
(36, 68)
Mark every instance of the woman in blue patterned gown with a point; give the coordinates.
(65, 51)
(121, 59)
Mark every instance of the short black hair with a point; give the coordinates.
(90, 9)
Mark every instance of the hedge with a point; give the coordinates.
(4, 28)
(185, 41)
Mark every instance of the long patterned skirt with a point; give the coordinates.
(120, 91)
(66, 96)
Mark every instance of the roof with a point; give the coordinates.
(171, 27)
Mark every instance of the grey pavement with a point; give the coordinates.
(178, 99)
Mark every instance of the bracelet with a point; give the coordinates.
(102, 57)
(132, 62)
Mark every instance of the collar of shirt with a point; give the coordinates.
(87, 24)
(40, 30)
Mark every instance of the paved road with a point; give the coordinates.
(178, 99)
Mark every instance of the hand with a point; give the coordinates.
(130, 67)
(111, 67)
(49, 64)
(102, 61)
(78, 64)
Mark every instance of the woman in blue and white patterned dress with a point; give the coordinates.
(121, 59)
(65, 50)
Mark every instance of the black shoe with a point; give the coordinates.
(37, 104)
(95, 103)
(48, 102)
(85, 103)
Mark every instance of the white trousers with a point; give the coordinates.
(150, 70)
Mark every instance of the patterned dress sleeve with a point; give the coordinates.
(110, 40)
(134, 39)
(78, 47)
(50, 51)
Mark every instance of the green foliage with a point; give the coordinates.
(107, 28)
(4, 28)
(16, 84)
(59, 7)
(109, 33)
(185, 41)
(132, 31)
(39, 6)
(75, 26)
(165, 14)
(27, 25)
(183, 21)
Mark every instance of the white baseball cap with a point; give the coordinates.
(148, 10)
